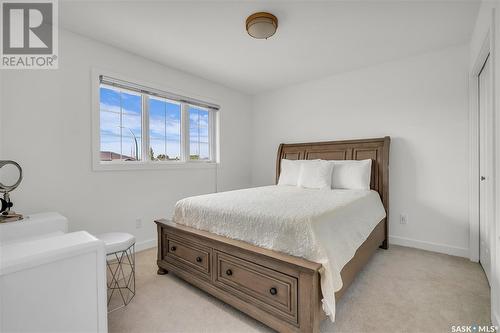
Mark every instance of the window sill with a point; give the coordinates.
(123, 166)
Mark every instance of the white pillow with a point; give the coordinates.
(289, 172)
(290, 169)
(351, 174)
(317, 174)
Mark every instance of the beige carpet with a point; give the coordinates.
(400, 290)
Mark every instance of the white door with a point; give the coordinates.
(484, 85)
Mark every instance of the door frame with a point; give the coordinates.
(486, 130)
(488, 48)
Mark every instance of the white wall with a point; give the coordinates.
(47, 129)
(422, 103)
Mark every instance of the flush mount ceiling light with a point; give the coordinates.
(262, 25)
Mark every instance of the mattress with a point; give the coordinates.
(324, 226)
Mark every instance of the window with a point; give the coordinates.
(121, 125)
(199, 134)
(164, 130)
(140, 125)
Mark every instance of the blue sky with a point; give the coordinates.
(164, 127)
(113, 103)
(164, 123)
(198, 132)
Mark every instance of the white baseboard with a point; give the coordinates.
(495, 319)
(429, 246)
(144, 245)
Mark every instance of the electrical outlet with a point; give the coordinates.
(138, 223)
(403, 219)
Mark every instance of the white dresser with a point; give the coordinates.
(51, 280)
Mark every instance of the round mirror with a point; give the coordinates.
(11, 175)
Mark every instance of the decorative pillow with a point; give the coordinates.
(317, 174)
(351, 174)
(289, 172)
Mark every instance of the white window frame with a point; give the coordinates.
(211, 131)
(146, 163)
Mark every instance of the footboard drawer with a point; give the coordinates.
(280, 291)
(190, 256)
(270, 290)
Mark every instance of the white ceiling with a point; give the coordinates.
(314, 39)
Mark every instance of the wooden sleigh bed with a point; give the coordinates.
(277, 289)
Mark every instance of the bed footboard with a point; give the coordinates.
(278, 290)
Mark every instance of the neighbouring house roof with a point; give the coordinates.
(110, 156)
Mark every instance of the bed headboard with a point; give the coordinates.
(376, 149)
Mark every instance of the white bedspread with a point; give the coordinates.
(324, 226)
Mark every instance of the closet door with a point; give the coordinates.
(485, 185)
